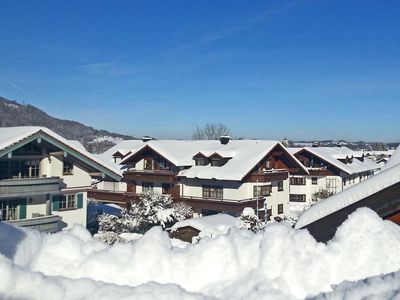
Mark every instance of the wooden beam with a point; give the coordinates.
(97, 174)
(58, 153)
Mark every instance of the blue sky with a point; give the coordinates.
(267, 69)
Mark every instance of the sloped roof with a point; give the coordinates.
(179, 152)
(245, 156)
(209, 225)
(124, 147)
(12, 136)
(333, 154)
(353, 194)
(394, 159)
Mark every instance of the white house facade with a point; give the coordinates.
(44, 178)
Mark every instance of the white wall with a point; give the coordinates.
(238, 191)
(74, 216)
(36, 205)
(112, 186)
(278, 197)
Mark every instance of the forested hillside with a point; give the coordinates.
(13, 113)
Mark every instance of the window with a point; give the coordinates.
(164, 165)
(297, 198)
(297, 181)
(147, 187)
(8, 210)
(68, 168)
(280, 208)
(213, 191)
(269, 214)
(261, 191)
(67, 201)
(200, 161)
(148, 164)
(280, 186)
(166, 188)
(270, 164)
(215, 162)
(314, 180)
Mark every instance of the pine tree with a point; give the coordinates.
(250, 221)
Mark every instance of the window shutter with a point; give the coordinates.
(80, 201)
(22, 209)
(55, 201)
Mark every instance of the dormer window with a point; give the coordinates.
(215, 162)
(201, 161)
(163, 165)
(68, 168)
(148, 164)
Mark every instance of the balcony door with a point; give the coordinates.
(11, 210)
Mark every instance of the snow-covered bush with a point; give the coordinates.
(152, 209)
(110, 238)
(182, 211)
(320, 195)
(250, 221)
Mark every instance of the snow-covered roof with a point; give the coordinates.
(77, 144)
(353, 194)
(243, 156)
(179, 152)
(333, 154)
(11, 136)
(377, 152)
(209, 225)
(293, 150)
(394, 159)
(123, 147)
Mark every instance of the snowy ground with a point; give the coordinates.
(280, 263)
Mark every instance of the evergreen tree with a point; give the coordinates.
(250, 221)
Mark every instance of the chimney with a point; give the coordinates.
(224, 139)
(146, 138)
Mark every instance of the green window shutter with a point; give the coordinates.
(22, 209)
(80, 201)
(55, 202)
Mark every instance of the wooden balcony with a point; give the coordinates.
(269, 176)
(119, 198)
(227, 205)
(29, 186)
(165, 176)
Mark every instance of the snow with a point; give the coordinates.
(333, 154)
(209, 226)
(100, 139)
(77, 144)
(114, 206)
(350, 195)
(12, 105)
(248, 212)
(245, 156)
(123, 147)
(377, 287)
(281, 263)
(394, 160)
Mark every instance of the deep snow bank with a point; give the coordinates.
(281, 263)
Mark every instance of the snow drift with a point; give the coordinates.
(281, 263)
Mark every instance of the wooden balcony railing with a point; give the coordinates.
(29, 186)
